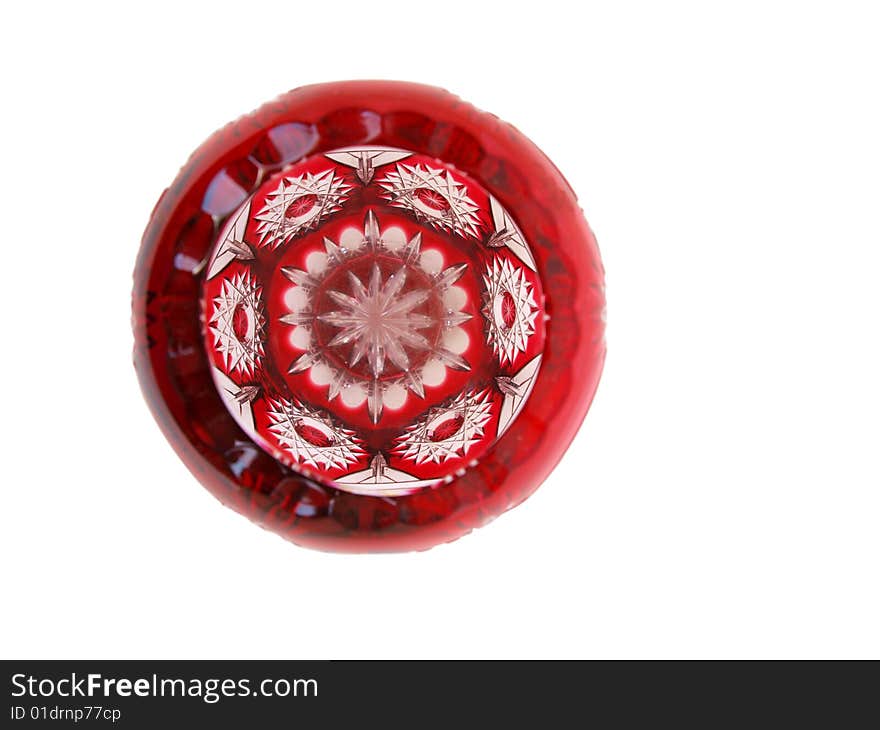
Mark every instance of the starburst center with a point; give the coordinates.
(379, 321)
(379, 317)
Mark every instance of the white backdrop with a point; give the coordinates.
(722, 498)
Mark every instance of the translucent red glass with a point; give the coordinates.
(368, 316)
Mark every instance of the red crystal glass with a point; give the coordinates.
(369, 316)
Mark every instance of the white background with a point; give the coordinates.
(723, 496)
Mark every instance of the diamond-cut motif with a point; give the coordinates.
(434, 196)
(447, 432)
(310, 437)
(299, 203)
(238, 323)
(509, 309)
